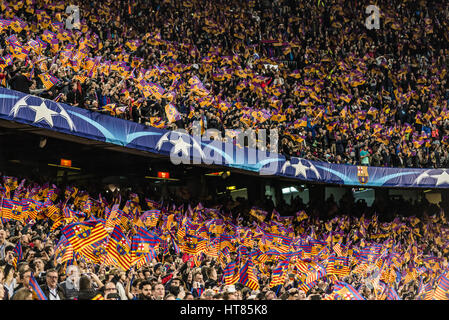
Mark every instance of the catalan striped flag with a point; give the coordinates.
(442, 290)
(12, 209)
(98, 297)
(95, 252)
(64, 251)
(48, 80)
(18, 254)
(194, 245)
(279, 274)
(82, 234)
(337, 249)
(338, 266)
(156, 90)
(247, 276)
(37, 289)
(345, 291)
(427, 293)
(392, 294)
(119, 249)
(172, 113)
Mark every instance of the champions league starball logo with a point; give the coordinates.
(209, 148)
(440, 176)
(43, 112)
(300, 168)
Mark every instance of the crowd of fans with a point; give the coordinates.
(248, 254)
(337, 91)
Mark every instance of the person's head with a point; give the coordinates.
(2, 236)
(212, 273)
(85, 283)
(159, 291)
(176, 282)
(189, 296)
(24, 277)
(52, 278)
(147, 274)
(270, 295)
(38, 265)
(208, 294)
(301, 295)
(145, 289)
(135, 287)
(72, 272)
(198, 277)
(23, 294)
(110, 287)
(230, 293)
(217, 296)
(170, 297)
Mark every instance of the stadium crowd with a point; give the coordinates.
(62, 243)
(337, 91)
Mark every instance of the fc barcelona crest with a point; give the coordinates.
(362, 173)
(16, 211)
(81, 232)
(121, 250)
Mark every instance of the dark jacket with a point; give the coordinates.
(59, 290)
(20, 83)
(88, 294)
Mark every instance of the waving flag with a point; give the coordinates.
(338, 266)
(156, 90)
(442, 290)
(279, 274)
(345, 291)
(48, 80)
(119, 249)
(37, 289)
(18, 254)
(230, 273)
(12, 209)
(85, 233)
(172, 113)
(247, 276)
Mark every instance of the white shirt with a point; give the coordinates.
(53, 295)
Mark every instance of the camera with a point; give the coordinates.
(113, 296)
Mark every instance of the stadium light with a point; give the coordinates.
(63, 167)
(158, 178)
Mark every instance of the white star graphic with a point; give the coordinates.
(181, 145)
(300, 169)
(43, 113)
(443, 178)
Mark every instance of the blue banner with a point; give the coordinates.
(182, 147)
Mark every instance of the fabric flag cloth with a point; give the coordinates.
(18, 254)
(442, 290)
(48, 80)
(172, 113)
(230, 274)
(345, 291)
(119, 249)
(83, 234)
(247, 276)
(37, 289)
(12, 209)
